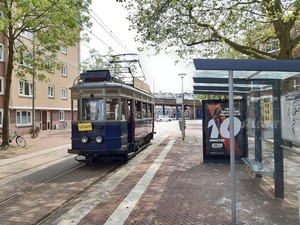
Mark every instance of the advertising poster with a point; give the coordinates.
(290, 117)
(216, 130)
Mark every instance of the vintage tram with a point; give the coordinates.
(112, 119)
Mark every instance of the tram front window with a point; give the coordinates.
(112, 109)
(92, 109)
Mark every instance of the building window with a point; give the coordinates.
(1, 52)
(1, 117)
(1, 85)
(63, 50)
(27, 34)
(51, 91)
(50, 66)
(23, 117)
(25, 59)
(61, 115)
(25, 88)
(63, 71)
(64, 93)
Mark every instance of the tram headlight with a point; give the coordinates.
(99, 139)
(84, 139)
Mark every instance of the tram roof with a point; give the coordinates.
(106, 85)
(211, 75)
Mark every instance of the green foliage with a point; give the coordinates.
(218, 28)
(95, 61)
(48, 25)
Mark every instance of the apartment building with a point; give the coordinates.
(51, 101)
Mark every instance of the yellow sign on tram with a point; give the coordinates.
(84, 126)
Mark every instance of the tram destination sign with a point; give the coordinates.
(95, 75)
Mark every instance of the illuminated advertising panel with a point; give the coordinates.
(216, 130)
(290, 117)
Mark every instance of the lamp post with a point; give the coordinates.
(154, 98)
(33, 86)
(182, 75)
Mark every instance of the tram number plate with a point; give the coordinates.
(84, 126)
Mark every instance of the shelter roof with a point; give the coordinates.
(211, 75)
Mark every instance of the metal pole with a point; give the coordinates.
(182, 75)
(232, 149)
(182, 112)
(194, 107)
(154, 99)
(33, 86)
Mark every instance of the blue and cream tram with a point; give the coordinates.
(111, 120)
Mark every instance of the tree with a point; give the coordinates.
(96, 60)
(52, 24)
(204, 28)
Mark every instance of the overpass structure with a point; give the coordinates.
(194, 110)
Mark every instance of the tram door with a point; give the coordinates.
(131, 125)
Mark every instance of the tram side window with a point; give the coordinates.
(123, 109)
(92, 109)
(138, 110)
(149, 111)
(112, 109)
(144, 110)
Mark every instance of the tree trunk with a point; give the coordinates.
(6, 122)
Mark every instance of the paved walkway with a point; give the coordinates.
(170, 184)
(46, 140)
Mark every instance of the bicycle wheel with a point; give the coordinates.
(33, 135)
(38, 132)
(21, 141)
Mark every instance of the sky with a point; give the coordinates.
(110, 29)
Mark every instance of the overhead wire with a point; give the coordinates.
(88, 30)
(109, 31)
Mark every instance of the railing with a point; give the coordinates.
(282, 146)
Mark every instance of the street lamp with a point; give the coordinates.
(182, 75)
(154, 98)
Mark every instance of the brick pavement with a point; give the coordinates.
(186, 191)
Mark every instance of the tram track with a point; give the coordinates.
(55, 160)
(37, 186)
(54, 186)
(78, 195)
(29, 156)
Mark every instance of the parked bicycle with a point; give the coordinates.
(64, 125)
(20, 140)
(34, 133)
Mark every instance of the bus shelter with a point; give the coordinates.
(271, 92)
